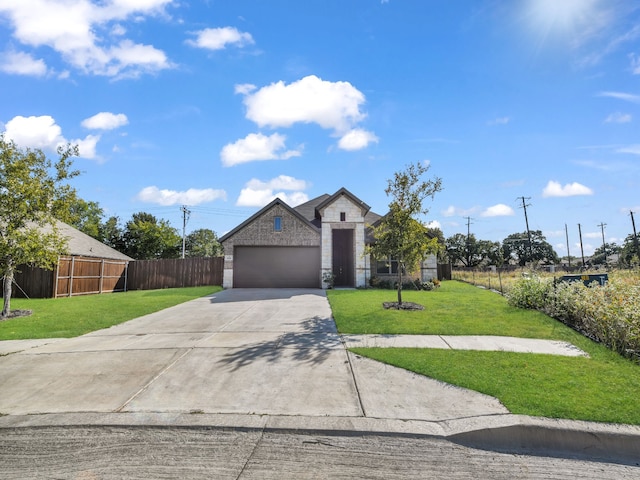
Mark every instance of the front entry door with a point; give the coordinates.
(343, 264)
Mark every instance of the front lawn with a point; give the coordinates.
(70, 317)
(602, 388)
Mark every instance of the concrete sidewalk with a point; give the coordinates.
(260, 359)
(466, 342)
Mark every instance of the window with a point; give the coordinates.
(277, 224)
(343, 216)
(387, 266)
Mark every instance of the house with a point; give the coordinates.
(302, 247)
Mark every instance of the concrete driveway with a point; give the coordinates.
(239, 351)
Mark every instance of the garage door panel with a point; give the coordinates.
(276, 267)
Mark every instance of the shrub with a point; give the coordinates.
(609, 314)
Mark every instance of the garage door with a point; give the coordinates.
(276, 267)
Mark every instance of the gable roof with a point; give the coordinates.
(81, 244)
(264, 209)
(342, 192)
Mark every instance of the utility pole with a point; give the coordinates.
(635, 235)
(526, 219)
(604, 245)
(566, 232)
(468, 241)
(185, 217)
(581, 248)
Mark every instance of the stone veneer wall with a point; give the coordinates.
(354, 220)
(260, 232)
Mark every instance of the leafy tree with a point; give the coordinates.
(202, 243)
(630, 252)
(399, 235)
(598, 257)
(113, 235)
(146, 237)
(516, 246)
(87, 217)
(461, 249)
(33, 193)
(490, 252)
(435, 232)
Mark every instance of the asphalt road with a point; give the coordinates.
(91, 453)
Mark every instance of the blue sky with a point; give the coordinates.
(222, 105)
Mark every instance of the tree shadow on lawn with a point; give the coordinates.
(313, 344)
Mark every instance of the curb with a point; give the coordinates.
(517, 434)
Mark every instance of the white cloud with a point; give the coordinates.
(452, 211)
(499, 210)
(627, 97)
(88, 35)
(35, 132)
(87, 146)
(45, 134)
(500, 121)
(254, 147)
(331, 105)
(193, 196)
(244, 88)
(258, 193)
(632, 149)
(219, 38)
(105, 121)
(357, 139)
(554, 189)
(20, 63)
(618, 117)
(434, 224)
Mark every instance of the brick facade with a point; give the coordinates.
(260, 231)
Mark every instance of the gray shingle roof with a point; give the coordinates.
(81, 244)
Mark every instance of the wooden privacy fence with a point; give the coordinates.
(174, 273)
(85, 276)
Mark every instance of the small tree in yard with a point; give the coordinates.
(33, 194)
(399, 234)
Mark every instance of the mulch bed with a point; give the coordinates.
(17, 313)
(404, 306)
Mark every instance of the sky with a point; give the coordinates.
(221, 106)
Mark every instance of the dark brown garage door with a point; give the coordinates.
(276, 267)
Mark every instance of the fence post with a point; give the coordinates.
(101, 276)
(71, 272)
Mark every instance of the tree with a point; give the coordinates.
(87, 217)
(146, 237)
(516, 246)
(113, 235)
(490, 252)
(599, 254)
(33, 193)
(399, 234)
(630, 253)
(203, 243)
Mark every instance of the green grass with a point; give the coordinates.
(70, 317)
(455, 308)
(602, 388)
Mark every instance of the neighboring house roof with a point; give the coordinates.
(81, 244)
(277, 201)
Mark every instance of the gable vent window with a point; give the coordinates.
(343, 216)
(277, 224)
